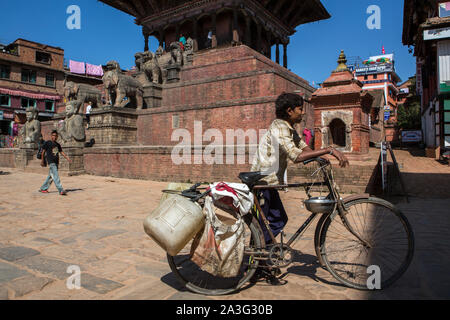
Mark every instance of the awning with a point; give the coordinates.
(20, 93)
(41, 113)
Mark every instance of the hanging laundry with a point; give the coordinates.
(77, 67)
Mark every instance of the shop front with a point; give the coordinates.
(12, 112)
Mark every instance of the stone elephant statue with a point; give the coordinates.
(82, 92)
(120, 85)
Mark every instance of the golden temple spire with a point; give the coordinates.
(342, 63)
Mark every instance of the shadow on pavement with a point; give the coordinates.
(308, 268)
(74, 190)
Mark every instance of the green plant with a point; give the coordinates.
(408, 116)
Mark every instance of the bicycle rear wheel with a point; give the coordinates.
(388, 250)
(199, 281)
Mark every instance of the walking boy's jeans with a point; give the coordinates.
(53, 175)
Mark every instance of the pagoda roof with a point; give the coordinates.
(289, 13)
(339, 83)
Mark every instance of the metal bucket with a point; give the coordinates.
(320, 205)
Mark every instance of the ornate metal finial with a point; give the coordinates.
(342, 63)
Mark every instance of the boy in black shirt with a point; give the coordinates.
(51, 151)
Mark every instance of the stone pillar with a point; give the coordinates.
(214, 31)
(177, 32)
(146, 36)
(285, 63)
(76, 165)
(195, 34)
(277, 51)
(235, 26)
(259, 37)
(161, 38)
(248, 35)
(24, 155)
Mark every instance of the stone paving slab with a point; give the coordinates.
(46, 265)
(16, 253)
(144, 289)
(4, 293)
(98, 285)
(9, 272)
(28, 284)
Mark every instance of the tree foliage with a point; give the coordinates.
(408, 117)
(408, 114)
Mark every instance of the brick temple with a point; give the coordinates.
(256, 24)
(230, 83)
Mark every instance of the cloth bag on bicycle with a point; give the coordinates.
(219, 249)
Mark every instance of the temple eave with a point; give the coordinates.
(151, 12)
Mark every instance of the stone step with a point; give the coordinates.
(35, 163)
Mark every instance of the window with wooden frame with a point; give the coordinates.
(5, 71)
(28, 76)
(50, 80)
(49, 105)
(43, 57)
(27, 102)
(5, 100)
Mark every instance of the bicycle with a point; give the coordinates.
(351, 235)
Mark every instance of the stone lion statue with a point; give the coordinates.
(139, 59)
(30, 133)
(82, 92)
(151, 68)
(119, 86)
(176, 53)
(189, 47)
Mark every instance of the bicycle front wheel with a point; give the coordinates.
(199, 281)
(378, 251)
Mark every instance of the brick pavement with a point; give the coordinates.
(98, 227)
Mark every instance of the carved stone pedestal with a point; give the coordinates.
(113, 126)
(76, 166)
(173, 73)
(153, 95)
(24, 155)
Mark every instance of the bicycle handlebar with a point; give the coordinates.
(321, 161)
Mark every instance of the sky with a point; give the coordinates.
(109, 34)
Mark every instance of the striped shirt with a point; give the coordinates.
(280, 143)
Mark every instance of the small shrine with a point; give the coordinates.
(341, 113)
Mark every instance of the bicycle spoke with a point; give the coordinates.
(387, 239)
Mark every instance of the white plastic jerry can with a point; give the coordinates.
(174, 223)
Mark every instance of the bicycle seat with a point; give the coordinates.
(251, 178)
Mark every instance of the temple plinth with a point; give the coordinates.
(257, 24)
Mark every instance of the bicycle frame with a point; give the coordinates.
(257, 211)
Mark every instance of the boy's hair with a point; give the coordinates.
(54, 131)
(286, 101)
